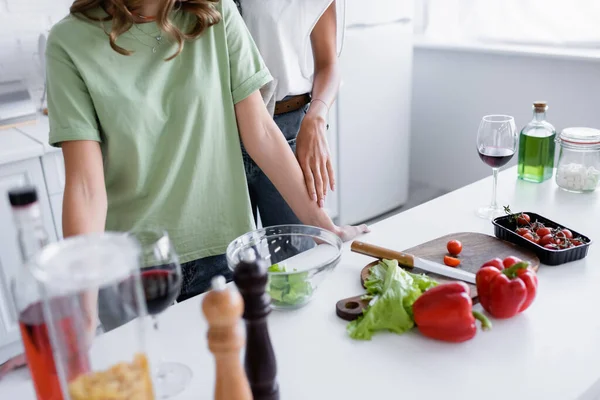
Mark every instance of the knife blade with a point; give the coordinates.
(411, 261)
(444, 270)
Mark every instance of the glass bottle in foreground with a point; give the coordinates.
(536, 147)
(57, 306)
(27, 215)
(32, 237)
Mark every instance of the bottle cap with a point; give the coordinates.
(580, 136)
(22, 196)
(540, 106)
(218, 283)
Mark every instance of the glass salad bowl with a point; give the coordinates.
(298, 258)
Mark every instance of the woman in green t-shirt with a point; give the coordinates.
(149, 100)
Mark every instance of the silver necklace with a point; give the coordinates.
(159, 38)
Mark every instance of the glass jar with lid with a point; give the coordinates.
(578, 167)
(57, 300)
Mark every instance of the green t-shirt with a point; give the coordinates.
(167, 129)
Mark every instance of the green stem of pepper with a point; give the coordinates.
(512, 271)
(486, 324)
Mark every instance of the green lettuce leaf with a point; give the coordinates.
(394, 291)
(376, 278)
(276, 268)
(289, 289)
(423, 281)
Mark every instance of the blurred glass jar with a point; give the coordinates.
(578, 167)
(56, 299)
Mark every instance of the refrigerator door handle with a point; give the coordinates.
(371, 25)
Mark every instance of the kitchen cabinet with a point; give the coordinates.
(53, 165)
(20, 173)
(54, 171)
(56, 201)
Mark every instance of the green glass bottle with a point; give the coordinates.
(536, 147)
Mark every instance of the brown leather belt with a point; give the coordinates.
(292, 104)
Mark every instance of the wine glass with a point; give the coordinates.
(496, 144)
(161, 279)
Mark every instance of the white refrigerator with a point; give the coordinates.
(373, 109)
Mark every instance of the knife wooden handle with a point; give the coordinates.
(371, 250)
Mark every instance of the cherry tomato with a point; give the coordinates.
(568, 234)
(551, 246)
(496, 262)
(523, 231)
(541, 232)
(537, 225)
(576, 242)
(454, 247)
(523, 219)
(451, 261)
(529, 237)
(546, 239)
(510, 261)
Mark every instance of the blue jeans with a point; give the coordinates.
(264, 197)
(197, 275)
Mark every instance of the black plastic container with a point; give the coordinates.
(504, 228)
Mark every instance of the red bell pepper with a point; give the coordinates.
(445, 313)
(505, 293)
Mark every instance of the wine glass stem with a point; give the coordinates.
(159, 360)
(495, 175)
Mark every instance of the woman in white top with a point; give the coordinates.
(298, 40)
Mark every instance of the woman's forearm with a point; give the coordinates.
(326, 79)
(83, 212)
(267, 146)
(84, 200)
(312, 149)
(325, 88)
(84, 206)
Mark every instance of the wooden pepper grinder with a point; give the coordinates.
(223, 309)
(250, 276)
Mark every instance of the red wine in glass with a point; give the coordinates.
(496, 157)
(161, 277)
(496, 144)
(161, 287)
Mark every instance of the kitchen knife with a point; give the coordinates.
(408, 260)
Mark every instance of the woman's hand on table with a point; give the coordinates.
(312, 151)
(348, 232)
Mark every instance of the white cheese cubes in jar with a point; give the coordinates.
(578, 168)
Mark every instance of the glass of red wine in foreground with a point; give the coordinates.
(496, 144)
(161, 280)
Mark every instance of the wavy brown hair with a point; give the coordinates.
(122, 18)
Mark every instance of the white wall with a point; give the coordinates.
(453, 89)
(21, 22)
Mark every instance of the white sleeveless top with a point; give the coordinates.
(281, 30)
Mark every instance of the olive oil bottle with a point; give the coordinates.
(536, 147)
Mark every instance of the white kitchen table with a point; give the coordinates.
(551, 351)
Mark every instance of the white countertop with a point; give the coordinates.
(551, 351)
(15, 146)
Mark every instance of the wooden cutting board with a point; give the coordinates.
(477, 249)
